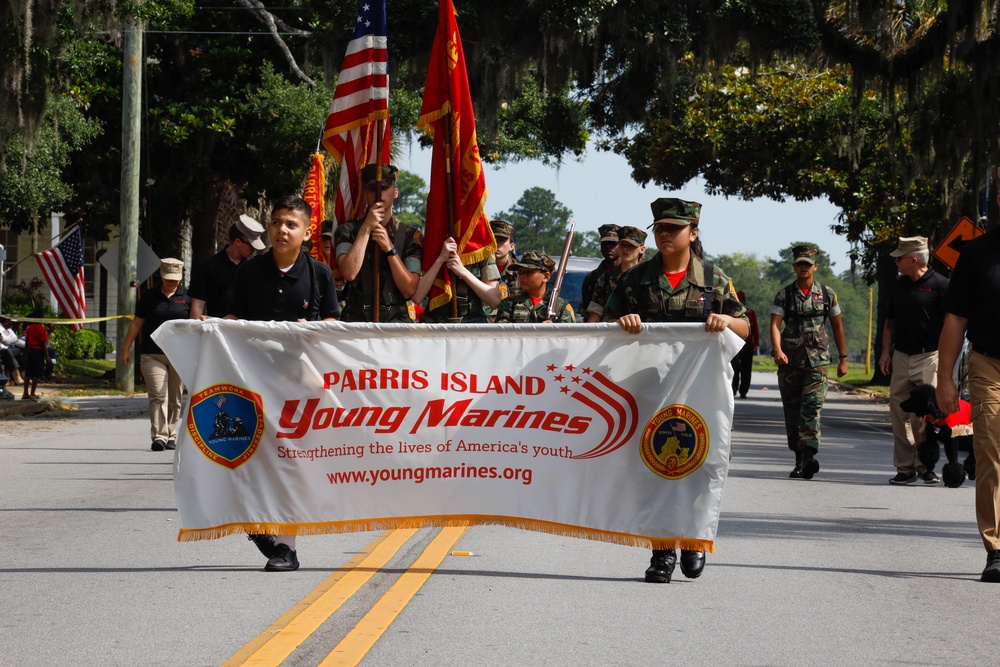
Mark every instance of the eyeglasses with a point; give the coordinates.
(385, 186)
(666, 228)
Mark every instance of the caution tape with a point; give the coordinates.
(57, 320)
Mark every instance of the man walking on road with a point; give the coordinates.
(913, 322)
(971, 304)
(802, 352)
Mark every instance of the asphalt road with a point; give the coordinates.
(840, 570)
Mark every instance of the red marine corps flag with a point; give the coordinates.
(359, 102)
(458, 184)
(315, 195)
(62, 266)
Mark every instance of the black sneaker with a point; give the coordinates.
(264, 543)
(283, 560)
(692, 563)
(904, 478)
(171, 444)
(810, 466)
(992, 572)
(157, 446)
(661, 566)
(930, 478)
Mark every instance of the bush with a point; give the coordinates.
(82, 344)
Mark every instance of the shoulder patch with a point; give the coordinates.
(569, 309)
(418, 238)
(504, 293)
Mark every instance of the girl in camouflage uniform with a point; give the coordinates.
(676, 285)
(533, 272)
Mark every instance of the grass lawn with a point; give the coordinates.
(85, 368)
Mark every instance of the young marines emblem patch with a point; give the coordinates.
(675, 442)
(226, 423)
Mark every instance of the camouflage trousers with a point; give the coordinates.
(803, 391)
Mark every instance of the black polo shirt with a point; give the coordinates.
(155, 308)
(974, 292)
(212, 281)
(917, 311)
(264, 293)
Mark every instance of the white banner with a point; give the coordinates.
(324, 427)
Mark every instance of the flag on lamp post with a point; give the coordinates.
(62, 266)
(360, 100)
(456, 170)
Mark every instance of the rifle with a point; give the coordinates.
(561, 271)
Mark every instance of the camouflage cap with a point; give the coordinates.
(805, 253)
(534, 259)
(608, 233)
(502, 228)
(632, 235)
(675, 211)
(368, 173)
(908, 244)
(327, 228)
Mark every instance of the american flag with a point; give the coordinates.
(361, 99)
(62, 266)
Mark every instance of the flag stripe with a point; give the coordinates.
(62, 267)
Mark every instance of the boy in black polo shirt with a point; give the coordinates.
(284, 285)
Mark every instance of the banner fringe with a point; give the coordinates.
(396, 523)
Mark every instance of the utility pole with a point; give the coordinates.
(129, 224)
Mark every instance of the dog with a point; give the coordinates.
(953, 432)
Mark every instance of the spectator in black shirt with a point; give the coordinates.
(913, 324)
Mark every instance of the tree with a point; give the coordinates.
(540, 222)
(411, 205)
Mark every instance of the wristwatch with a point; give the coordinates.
(391, 253)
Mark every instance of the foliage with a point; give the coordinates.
(82, 344)
(540, 223)
(411, 205)
(22, 299)
(33, 184)
(88, 368)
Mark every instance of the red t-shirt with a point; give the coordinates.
(36, 336)
(675, 277)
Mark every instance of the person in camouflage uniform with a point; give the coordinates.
(476, 286)
(802, 352)
(399, 260)
(676, 285)
(609, 248)
(503, 232)
(533, 272)
(630, 249)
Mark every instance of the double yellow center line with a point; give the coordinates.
(276, 643)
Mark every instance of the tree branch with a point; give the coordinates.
(273, 23)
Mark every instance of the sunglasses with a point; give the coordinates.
(386, 185)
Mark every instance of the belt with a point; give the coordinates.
(919, 350)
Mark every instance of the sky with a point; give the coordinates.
(599, 189)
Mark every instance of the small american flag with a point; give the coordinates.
(62, 266)
(360, 100)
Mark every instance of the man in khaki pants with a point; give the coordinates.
(972, 307)
(913, 324)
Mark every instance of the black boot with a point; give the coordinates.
(810, 466)
(797, 470)
(692, 563)
(661, 566)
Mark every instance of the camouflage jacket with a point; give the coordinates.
(804, 340)
(603, 287)
(509, 288)
(521, 311)
(644, 290)
(590, 281)
(359, 293)
(470, 307)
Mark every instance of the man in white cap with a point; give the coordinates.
(166, 301)
(212, 281)
(913, 321)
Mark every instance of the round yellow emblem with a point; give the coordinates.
(675, 442)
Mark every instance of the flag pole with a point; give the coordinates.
(59, 237)
(377, 254)
(450, 195)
